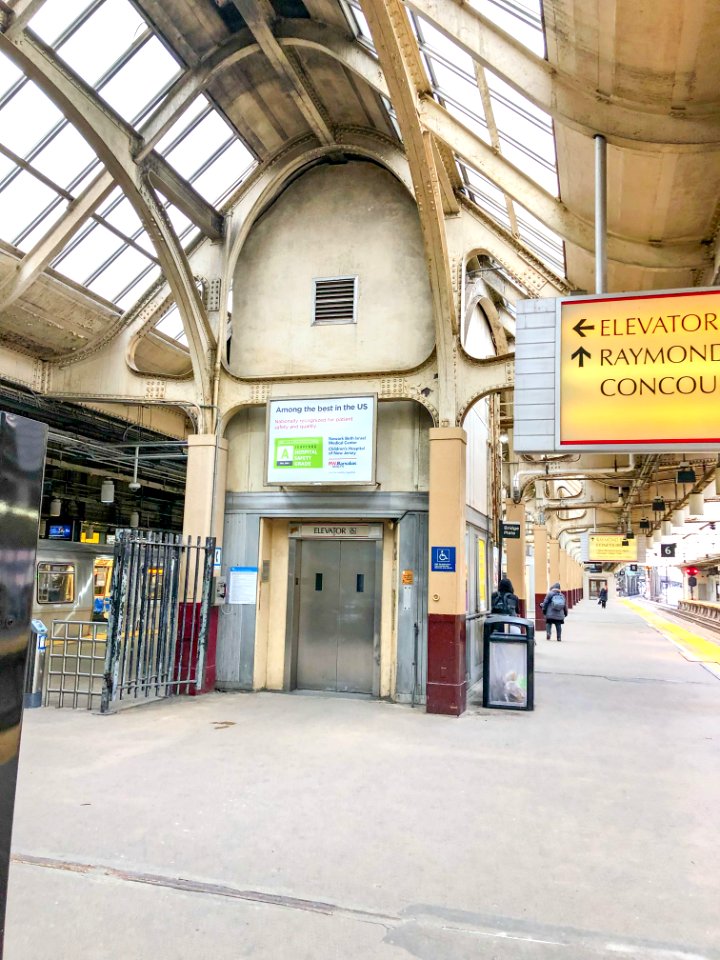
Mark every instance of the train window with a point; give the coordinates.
(102, 576)
(55, 583)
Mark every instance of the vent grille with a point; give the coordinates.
(335, 300)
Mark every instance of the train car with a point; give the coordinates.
(72, 581)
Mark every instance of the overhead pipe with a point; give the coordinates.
(600, 214)
(523, 478)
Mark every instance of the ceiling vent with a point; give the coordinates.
(335, 300)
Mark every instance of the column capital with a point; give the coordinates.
(448, 433)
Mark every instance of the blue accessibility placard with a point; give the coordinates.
(443, 559)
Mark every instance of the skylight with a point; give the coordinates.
(45, 164)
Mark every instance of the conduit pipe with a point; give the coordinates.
(523, 478)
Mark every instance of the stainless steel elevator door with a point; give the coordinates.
(336, 623)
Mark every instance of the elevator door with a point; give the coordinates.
(336, 622)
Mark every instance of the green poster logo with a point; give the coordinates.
(295, 453)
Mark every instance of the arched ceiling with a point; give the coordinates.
(132, 132)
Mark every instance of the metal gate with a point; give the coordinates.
(159, 617)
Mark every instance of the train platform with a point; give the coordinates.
(284, 826)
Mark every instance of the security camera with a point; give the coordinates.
(134, 486)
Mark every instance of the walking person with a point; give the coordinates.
(555, 609)
(602, 597)
(504, 600)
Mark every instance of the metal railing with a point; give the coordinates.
(75, 664)
(159, 617)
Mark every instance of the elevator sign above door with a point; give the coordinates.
(640, 371)
(337, 531)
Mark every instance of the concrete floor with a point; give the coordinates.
(277, 826)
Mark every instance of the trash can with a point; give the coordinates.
(508, 663)
(35, 672)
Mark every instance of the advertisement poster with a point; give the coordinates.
(323, 440)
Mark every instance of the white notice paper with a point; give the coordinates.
(242, 584)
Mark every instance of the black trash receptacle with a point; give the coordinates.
(508, 663)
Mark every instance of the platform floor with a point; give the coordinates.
(281, 826)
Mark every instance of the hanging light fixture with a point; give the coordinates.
(666, 528)
(107, 492)
(657, 536)
(55, 507)
(696, 504)
(134, 519)
(644, 523)
(679, 516)
(658, 505)
(685, 473)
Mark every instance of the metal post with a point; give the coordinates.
(600, 214)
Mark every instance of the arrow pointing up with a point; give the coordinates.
(581, 353)
(579, 328)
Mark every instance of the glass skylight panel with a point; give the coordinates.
(171, 324)
(116, 276)
(65, 157)
(219, 180)
(129, 91)
(522, 19)
(27, 118)
(485, 194)
(547, 245)
(55, 16)
(359, 23)
(137, 288)
(203, 140)
(20, 202)
(86, 256)
(438, 43)
(121, 214)
(102, 39)
(6, 166)
(469, 120)
(32, 236)
(9, 74)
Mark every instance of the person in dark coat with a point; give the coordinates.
(602, 597)
(555, 609)
(504, 600)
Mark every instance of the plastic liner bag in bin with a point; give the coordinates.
(508, 674)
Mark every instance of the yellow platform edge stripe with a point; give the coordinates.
(696, 647)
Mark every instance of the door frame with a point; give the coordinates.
(293, 606)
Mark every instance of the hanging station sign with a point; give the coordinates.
(326, 440)
(611, 548)
(637, 372)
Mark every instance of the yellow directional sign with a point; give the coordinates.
(611, 548)
(640, 371)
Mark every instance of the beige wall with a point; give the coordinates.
(402, 448)
(341, 220)
(477, 426)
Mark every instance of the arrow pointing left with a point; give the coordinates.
(582, 354)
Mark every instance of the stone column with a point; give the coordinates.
(201, 520)
(446, 662)
(515, 551)
(540, 537)
(553, 561)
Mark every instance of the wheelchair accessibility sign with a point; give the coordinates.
(443, 559)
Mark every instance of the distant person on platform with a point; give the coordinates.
(555, 609)
(504, 601)
(602, 597)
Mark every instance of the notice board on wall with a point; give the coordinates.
(324, 440)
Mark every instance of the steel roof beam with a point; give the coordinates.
(260, 18)
(114, 141)
(547, 208)
(563, 96)
(405, 78)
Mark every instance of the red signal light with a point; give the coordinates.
(691, 571)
